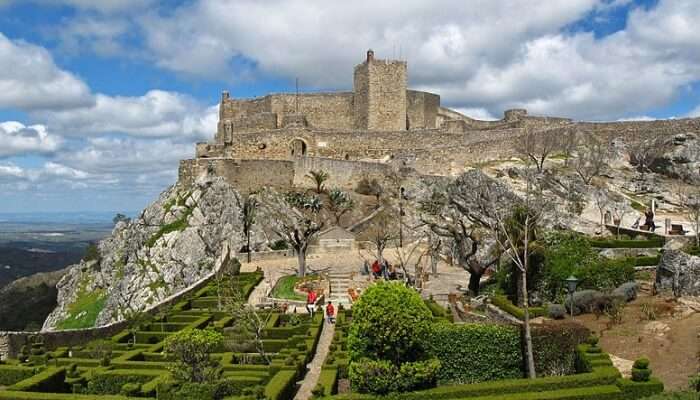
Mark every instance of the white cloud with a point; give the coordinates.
(50, 171)
(155, 114)
(102, 6)
(477, 113)
(17, 139)
(102, 35)
(29, 79)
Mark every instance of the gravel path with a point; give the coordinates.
(314, 367)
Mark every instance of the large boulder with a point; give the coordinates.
(175, 242)
(678, 273)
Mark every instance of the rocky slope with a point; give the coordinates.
(171, 245)
(25, 303)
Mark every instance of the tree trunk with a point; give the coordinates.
(526, 323)
(248, 245)
(301, 259)
(433, 264)
(475, 281)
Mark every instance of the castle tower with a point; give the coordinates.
(380, 94)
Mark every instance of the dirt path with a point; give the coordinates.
(314, 367)
(670, 342)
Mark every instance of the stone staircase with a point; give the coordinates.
(340, 282)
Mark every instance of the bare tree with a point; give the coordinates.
(339, 203)
(601, 197)
(249, 321)
(382, 230)
(644, 147)
(592, 155)
(449, 212)
(537, 146)
(434, 247)
(296, 217)
(621, 207)
(569, 141)
(250, 205)
(411, 258)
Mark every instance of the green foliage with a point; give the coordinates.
(475, 352)
(654, 242)
(504, 304)
(11, 374)
(284, 289)
(176, 226)
(641, 363)
(640, 370)
(383, 377)
(390, 322)
(83, 312)
(50, 380)
(279, 245)
(92, 253)
(571, 254)
(318, 178)
(112, 382)
(554, 347)
(191, 350)
(281, 386)
(638, 390)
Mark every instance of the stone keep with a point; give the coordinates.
(380, 94)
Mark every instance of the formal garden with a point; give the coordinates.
(196, 350)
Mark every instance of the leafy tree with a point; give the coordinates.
(381, 231)
(296, 217)
(120, 218)
(389, 322)
(92, 253)
(339, 203)
(191, 351)
(250, 206)
(318, 178)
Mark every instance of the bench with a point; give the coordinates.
(677, 229)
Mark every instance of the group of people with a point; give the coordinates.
(311, 298)
(648, 220)
(383, 269)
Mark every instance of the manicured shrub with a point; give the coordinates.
(50, 380)
(673, 396)
(281, 386)
(11, 374)
(640, 370)
(641, 363)
(556, 311)
(390, 322)
(506, 305)
(475, 352)
(383, 377)
(130, 389)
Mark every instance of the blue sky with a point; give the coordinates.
(100, 99)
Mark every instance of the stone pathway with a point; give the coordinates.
(340, 283)
(314, 367)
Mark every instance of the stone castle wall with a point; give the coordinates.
(380, 94)
(342, 174)
(245, 175)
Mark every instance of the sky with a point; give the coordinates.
(99, 100)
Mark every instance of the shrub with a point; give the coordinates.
(673, 396)
(279, 245)
(554, 347)
(383, 377)
(10, 374)
(475, 352)
(556, 311)
(191, 349)
(130, 389)
(641, 363)
(390, 322)
(640, 370)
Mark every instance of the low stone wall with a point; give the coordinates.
(12, 342)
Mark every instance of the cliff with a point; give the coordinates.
(170, 246)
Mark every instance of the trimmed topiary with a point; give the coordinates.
(641, 363)
(641, 375)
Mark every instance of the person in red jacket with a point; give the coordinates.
(311, 302)
(330, 313)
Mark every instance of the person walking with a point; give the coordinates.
(311, 302)
(649, 220)
(330, 313)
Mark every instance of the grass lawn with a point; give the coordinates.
(284, 289)
(83, 312)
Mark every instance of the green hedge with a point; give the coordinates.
(475, 352)
(645, 261)
(11, 374)
(10, 395)
(637, 390)
(627, 244)
(111, 382)
(554, 346)
(506, 305)
(50, 380)
(281, 386)
(438, 310)
(329, 381)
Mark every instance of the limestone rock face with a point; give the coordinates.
(679, 273)
(173, 243)
(682, 160)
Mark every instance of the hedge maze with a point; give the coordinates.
(117, 368)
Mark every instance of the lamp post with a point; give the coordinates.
(571, 283)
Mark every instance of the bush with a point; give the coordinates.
(281, 386)
(390, 322)
(673, 396)
(554, 347)
(504, 304)
(383, 377)
(10, 374)
(556, 311)
(191, 349)
(475, 352)
(130, 389)
(641, 363)
(641, 375)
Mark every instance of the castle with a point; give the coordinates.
(277, 139)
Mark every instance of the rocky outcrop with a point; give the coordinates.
(679, 273)
(682, 160)
(173, 243)
(26, 302)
